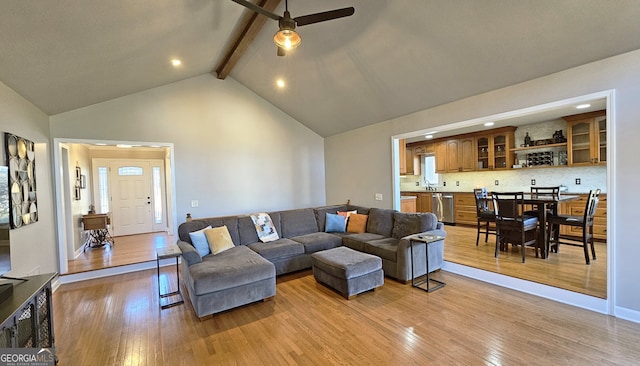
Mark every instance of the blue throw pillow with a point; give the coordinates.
(335, 223)
(199, 241)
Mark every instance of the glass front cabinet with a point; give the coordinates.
(587, 138)
(494, 150)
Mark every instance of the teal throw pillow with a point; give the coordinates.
(199, 241)
(335, 223)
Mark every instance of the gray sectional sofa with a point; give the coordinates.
(246, 273)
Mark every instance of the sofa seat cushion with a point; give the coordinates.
(278, 248)
(232, 268)
(346, 263)
(356, 241)
(386, 248)
(318, 241)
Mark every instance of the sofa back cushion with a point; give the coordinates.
(231, 222)
(359, 209)
(298, 222)
(380, 221)
(412, 223)
(321, 214)
(247, 230)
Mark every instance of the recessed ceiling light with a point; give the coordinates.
(583, 106)
(100, 144)
(123, 146)
(428, 137)
(175, 62)
(489, 124)
(280, 83)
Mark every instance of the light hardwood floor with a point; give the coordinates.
(129, 249)
(566, 269)
(117, 321)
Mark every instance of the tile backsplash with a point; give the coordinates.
(590, 177)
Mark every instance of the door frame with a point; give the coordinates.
(64, 217)
(95, 162)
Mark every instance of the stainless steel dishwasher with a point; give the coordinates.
(442, 206)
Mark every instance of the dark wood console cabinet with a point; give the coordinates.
(27, 314)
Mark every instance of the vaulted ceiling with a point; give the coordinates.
(389, 59)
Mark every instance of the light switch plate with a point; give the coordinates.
(533, 182)
(578, 181)
(194, 203)
(496, 182)
(378, 196)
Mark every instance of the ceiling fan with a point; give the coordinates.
(287, 38)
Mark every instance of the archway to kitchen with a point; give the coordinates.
(528, 277)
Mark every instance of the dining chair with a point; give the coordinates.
(486, 217)
(585, 222)
(513, 226)
(544, 191)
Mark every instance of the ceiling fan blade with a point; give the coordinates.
(257, 9)
(324, 16)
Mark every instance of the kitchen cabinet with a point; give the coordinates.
(424, 202)
(455, 155)
(409, 161)
(440, 150)
(587, 138)
(494, 151)
(466, 154)
(408, 204)
(423, 149)
(412, 165)
(465, 208)
(576, 208)
(402, 156)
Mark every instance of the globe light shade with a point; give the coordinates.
(287, 39)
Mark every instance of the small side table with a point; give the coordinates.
(171, 251)
(426, 239)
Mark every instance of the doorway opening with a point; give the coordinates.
(500, 180)
(132, 183)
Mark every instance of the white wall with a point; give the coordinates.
(234, 152)
(33, 247)
(358, 162)
(79, 157)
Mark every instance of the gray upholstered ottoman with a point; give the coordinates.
(348, 271)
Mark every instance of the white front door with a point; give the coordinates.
(131, 197)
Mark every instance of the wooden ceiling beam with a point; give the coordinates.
(246, 31)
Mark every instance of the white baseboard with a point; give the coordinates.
(113, 271)
(627, 314)
(548, 292)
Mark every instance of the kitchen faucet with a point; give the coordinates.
(429, 187)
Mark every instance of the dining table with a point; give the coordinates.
(545, 203)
